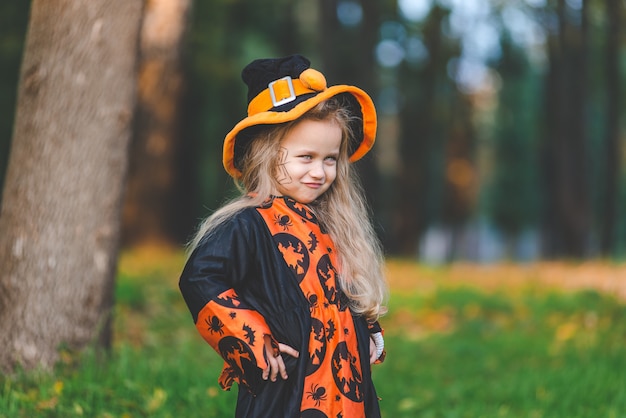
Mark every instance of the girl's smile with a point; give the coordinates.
(308, 161)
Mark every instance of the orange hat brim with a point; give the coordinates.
(368, 112)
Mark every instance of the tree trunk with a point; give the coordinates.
(418, 191)
(59, 224)
(612, 147)
(157, 204)
(353, 62)
(568, 220)
(364, 67)
(576, 209)
(550, 149)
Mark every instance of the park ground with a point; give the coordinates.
(540, 340)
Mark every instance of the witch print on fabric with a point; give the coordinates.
(328, 278)
(317, 346)
(333, 374)
(294, 252)
(239, 357)
(301, 210)
(347, 373)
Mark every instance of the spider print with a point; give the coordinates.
(283, 221)
(317, 393)
(215, 325)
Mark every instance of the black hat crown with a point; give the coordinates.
(261, 72)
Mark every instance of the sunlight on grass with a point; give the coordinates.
(606, 277)
(545, 341)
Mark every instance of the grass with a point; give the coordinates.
(462, 341)
(478, 355)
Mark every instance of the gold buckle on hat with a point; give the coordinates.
(288, 99)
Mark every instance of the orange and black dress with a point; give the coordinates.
(272, 271)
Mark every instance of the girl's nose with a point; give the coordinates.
(317, 171)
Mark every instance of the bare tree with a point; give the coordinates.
(158, 196)
(614, 11)
(62, 199)
(360, 69)
(568, 211)
(419, 189)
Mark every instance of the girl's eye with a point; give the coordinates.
(331, 159)
(306, 157)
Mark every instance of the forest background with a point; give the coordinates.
(500, 132)
(500, 140)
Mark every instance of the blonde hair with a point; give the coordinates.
(341, 210)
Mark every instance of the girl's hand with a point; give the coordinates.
(377, 346)
(373, 356)
(275, 363)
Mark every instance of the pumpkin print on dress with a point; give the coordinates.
(333, 382)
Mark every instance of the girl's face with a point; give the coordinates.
(308, 160)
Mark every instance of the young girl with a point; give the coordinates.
(285, 282)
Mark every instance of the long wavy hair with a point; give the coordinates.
(342, 209)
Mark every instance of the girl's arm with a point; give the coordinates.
(218, 266)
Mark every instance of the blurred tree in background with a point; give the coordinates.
(568, 206)
(515, 192)
(13, 21)
(613, 72)
(159, 190)
(500, 121)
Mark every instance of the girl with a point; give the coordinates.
(285, 282)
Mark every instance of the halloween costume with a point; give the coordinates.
(272, 270)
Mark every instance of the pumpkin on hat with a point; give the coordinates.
(283, 89)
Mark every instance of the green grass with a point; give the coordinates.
(491, 355)
(453, 351)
